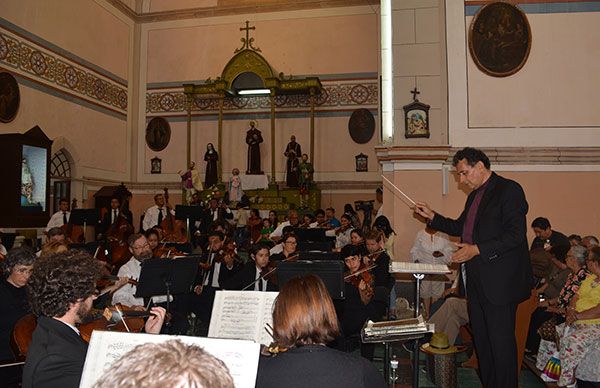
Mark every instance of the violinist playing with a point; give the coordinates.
(342, 233)
(363, 301)
(218, 266)
(252, 271)
(62, 289)
(377, 256)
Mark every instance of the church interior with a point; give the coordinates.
(202, 100)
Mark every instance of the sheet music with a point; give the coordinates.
(242, 315)
(241, 357)
(419, 268)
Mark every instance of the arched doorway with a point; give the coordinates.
(60, 177)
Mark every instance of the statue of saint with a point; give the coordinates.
(27, 184)
(191, 182)
(253, 139)
(211, 157)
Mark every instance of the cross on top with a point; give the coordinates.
(248, 40)
(414, 93)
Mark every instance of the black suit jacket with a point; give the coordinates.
(207, 218)
(244, 277)
(55, 357)
(502, 270)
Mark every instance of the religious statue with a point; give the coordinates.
(305, 178)
(26, 184)
(253, 139)
(211, 157)
(235, 186)
(292, 152)
(191, 182)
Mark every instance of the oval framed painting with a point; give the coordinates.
(10, 97)
(361, 126)
(500, 39)
(158, 134)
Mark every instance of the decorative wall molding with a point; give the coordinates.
(242, 7)
(336, 94)
(435, 155)
(37, 63)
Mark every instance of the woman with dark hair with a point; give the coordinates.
(357, 238)
(211, 157)
(304, 321)
(273, 218)
(382, 224)
(13, 299)
(349, 210)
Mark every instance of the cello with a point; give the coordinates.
(173, 230)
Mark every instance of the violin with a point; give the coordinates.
(269, 272)
(372, 257)
(342, 229)
(114, 318)
(362, 275)
(108, 280)
(165, 252)
(173, 230)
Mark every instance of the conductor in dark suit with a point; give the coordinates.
(249, 276)
(494, 257)
(61, 291)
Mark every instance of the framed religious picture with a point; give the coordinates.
(362, 162)
(155, 165)
(416, 120)
(9, 97)
(499, 39)
(158, 134)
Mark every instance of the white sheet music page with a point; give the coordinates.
(241, 357)
(419, 268)
(242, 315)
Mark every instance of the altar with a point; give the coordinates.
(253, 182)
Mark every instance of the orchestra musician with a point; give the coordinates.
(342, 233)
(363, 299)
(61, 217)
(62, 289)
(252, 271)
(377, 256)
(140, 250)
(290, 242)
(13, 298)
(111, 218)
(155, 215)
(219, 267)
(304, 322)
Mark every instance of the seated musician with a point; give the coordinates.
(290, 242)
(13, 298)
(56, 234)
(364, 300)
(152, 236)
(248, 277)
(378, 256)
(155, 215)
(357, 238)
(293, 221)
(320, 220)
(62, 289)
(52, 247)
(111, 218)
(219, 268)
(61, 217)
(342, 233)
(304, 322)
(139, 248)
(167, 364)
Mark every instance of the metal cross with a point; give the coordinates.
(414, 93)
(247, 29)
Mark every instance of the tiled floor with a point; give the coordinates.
(466, 377)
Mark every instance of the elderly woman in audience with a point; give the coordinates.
(582, 326)
(13, 298)
(304, 321)
(553, 309)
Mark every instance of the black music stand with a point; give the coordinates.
(311, 255)
(188, 214)
(84, 217)
(310, 234)
(167, 277)
(331, 273)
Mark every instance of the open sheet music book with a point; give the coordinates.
(418, 268)
(241, 357)
(242, 315)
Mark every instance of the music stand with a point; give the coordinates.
(84, 217)
(310, 234)
(187, 214)
(331, 273)
(166, 277)
(312, 255)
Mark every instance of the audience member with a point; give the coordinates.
(547, 238)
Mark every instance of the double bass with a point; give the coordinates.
(117, 235)
(173, 230)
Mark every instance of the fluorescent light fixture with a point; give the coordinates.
(253, 91)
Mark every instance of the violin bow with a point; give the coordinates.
(404, 198)
(360, 271)
(261, 277)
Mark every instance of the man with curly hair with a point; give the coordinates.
(62, 288)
